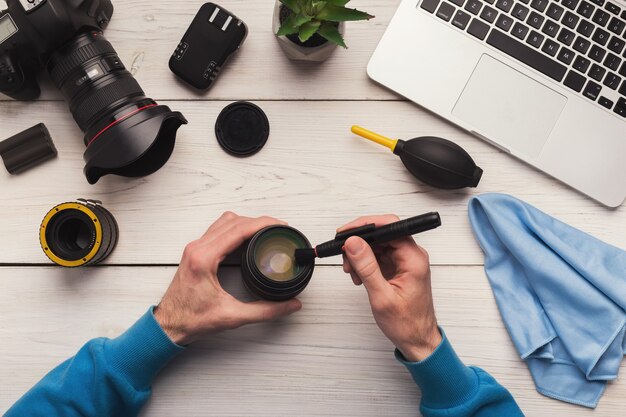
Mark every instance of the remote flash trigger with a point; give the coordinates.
(213, 36)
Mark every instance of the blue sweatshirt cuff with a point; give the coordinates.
(142, 351)
(444, 380)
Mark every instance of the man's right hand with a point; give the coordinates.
(397, 279)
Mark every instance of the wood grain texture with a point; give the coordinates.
(145, 34)
(313, 173)
(328, 360)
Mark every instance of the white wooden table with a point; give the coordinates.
(329, 360)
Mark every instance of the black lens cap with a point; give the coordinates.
(242, 129)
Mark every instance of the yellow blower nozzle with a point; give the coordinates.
(375, 137)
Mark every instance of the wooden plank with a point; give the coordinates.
(328, 360)
(313, 173)
(145, 34)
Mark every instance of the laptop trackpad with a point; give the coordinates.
(509, 108)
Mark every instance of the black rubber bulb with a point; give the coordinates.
(434, 161)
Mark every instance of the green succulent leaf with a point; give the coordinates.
(330, 31)
(332, 13)
(293, 5)
(308, 29)
(288, 27)
(338, 2)
(301, 19)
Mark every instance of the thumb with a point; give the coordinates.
(259, 311)
(365, 265)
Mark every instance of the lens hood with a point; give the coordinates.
(135, 144)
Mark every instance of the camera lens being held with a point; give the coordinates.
(78, 234)
(269, 266)
(126, 133)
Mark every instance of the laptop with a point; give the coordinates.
(543, 80)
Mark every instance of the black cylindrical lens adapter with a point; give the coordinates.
(78, 234)
(269, 267)
(126, 133)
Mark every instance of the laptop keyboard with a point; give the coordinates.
(578, 43)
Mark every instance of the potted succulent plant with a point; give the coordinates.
(310, 30)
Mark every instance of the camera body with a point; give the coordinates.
(33, 30)
(126, 133)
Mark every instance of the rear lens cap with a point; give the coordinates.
(242, 129)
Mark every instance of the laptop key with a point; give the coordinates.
(539, 5)
(458, 2)
(570, 20)
(598, 2)
(446, 11)
(520, 31)
(601, 36)
(489, 14)
(550, 47)
(597, 53)
(575, 81)
(535, 20)
(613, 8)
(570, 4)
(473, 6)
(566, 37)
(555, 11)
(504, 5)
(461, 19)
(620, 107)
(617, 26)
(566, 56)
(430, 5)
(581, 64)
(535, 39)
(612, 62)
(520, 12)
(478, 29)
(586, 9)
(612, 81)
(622, 89)
(601, 17)
(622, 71)
(526, 55)
(605, 102)
(551, 28)
(582, 45)
(592, 91)
(616, 45)
(504, 22)
(585, 28)
(597, 72)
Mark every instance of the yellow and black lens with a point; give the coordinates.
(78, 234)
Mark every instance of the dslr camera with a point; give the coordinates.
(126, 133)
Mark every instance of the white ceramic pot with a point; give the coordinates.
(297, 52)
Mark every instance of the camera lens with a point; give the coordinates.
(126, 133)
(78, 234)
(269, 267)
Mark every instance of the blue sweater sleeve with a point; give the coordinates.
(105, 378)
(449, 388)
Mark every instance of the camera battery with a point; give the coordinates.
(213, 36)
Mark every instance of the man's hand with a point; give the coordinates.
(195, 303)
(397, 279)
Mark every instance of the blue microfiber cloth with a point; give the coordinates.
(561, 293)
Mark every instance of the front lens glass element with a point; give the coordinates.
(274, 254)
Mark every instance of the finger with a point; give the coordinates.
(347, 268)
(355, 278)
(260, 311)
(365, 266)
(235, 233)
(377, 220)
(225, 218)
